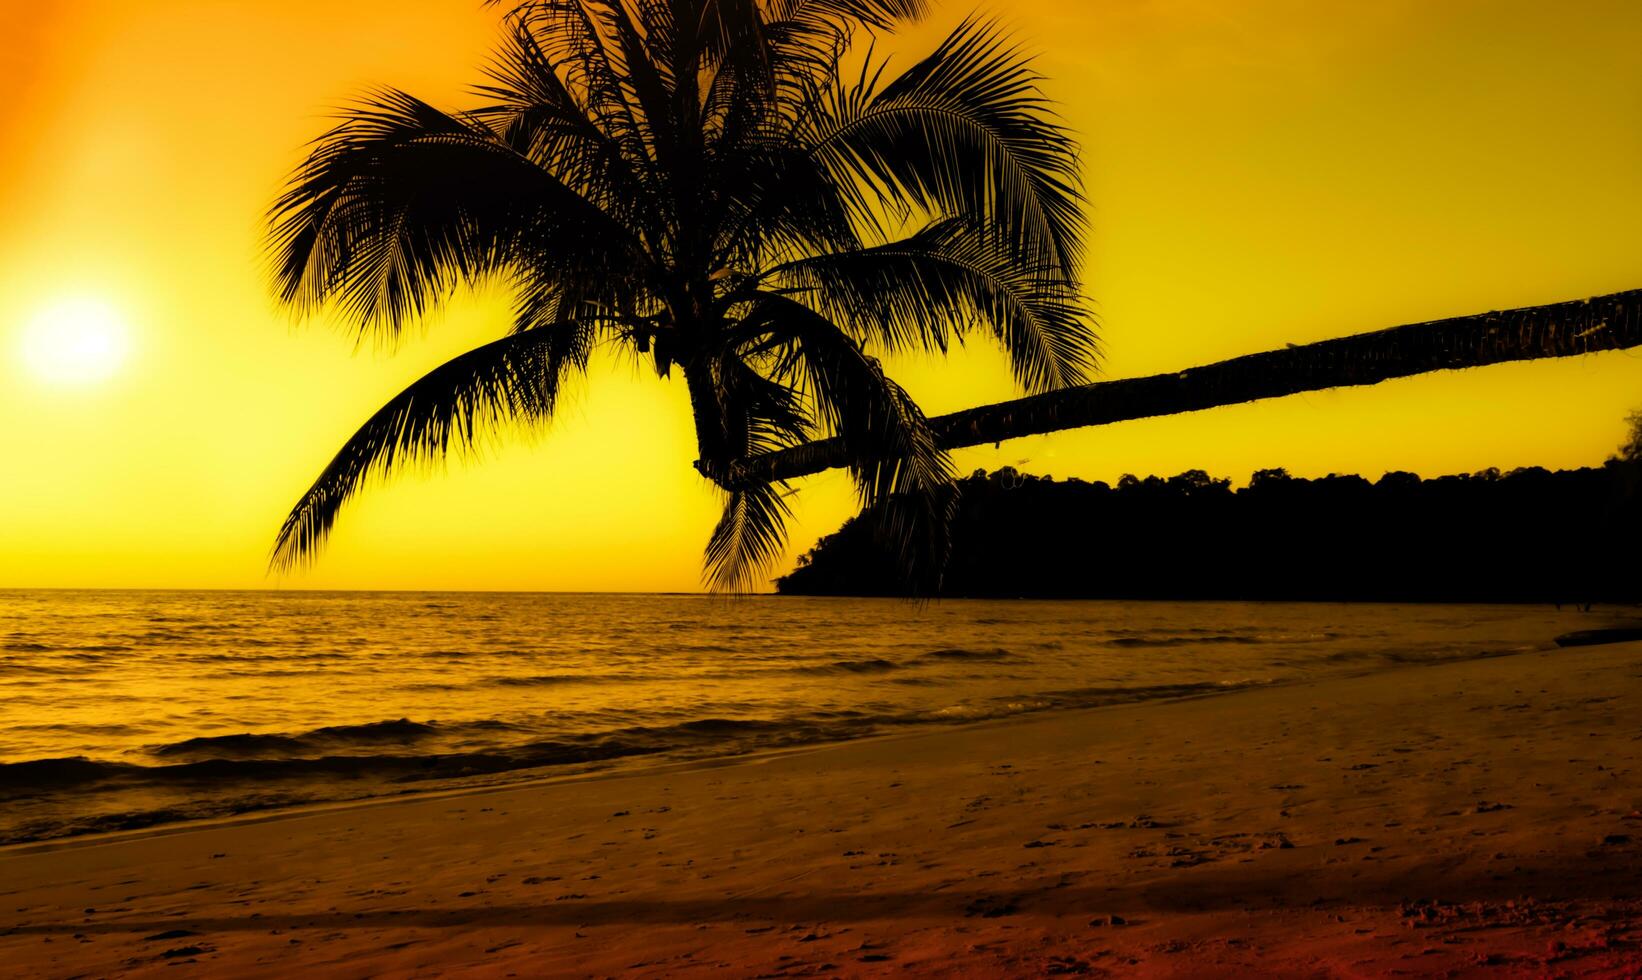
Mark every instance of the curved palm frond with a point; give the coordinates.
(401, 203)
(806, 38)
(749, 539)
(966, 133)
(535, 112)
(573, 42)
(915, 293)
(797, 38)
(512, 380)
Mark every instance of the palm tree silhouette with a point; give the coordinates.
(704, 183)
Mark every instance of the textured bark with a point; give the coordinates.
(1585, 326)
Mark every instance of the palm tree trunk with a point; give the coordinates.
(712, 440)
(1586, 326)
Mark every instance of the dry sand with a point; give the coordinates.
(1468, 818)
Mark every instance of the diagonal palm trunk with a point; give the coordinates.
(1611, 322)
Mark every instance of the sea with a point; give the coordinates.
(131, 709)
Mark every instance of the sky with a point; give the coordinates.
(1260, 172)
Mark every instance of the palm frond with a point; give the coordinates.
(778, 205)
(965, 133)
(880, 15)
(768, 414)
(535, 112)
(749, 538)
(514, 380)
(573, 40)
(918, 292)
(401, 203)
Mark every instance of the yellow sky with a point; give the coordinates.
(1262, 172)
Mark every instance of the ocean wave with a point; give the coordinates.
(1095, 697)
(1401, 655)
(223, 775)
(725, 726)
(231, 746)
(224, 761)
(874, 666)
(1180, 641)
(330, 739)
(995, 655)
(58, 773)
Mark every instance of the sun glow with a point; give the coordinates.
(1259, 172)
(75, 342)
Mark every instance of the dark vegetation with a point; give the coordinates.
(1530, 535)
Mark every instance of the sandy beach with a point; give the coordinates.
(1429, 820)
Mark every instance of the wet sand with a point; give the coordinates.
(1474, 817)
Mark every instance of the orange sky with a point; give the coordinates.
(1261, 172)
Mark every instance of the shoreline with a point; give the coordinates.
(625, 767)
(1450, 818)
(639, 763)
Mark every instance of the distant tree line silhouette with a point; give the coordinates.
(1530, 535)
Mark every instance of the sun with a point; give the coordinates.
(76, 342)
